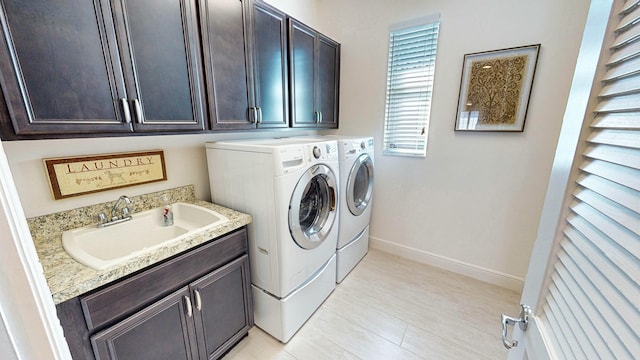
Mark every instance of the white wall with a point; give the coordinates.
(473, 204)
(303, 10)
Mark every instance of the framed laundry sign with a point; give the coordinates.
(82, 175)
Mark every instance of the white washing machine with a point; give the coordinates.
(356, 184)
(290, 187)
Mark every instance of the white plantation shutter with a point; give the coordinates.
(410, 72)
(592, 309)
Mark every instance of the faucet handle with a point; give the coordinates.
(125, 212)
(101, 218)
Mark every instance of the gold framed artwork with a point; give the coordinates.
(495, 89)
(82, 175)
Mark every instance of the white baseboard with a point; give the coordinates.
(443, 262)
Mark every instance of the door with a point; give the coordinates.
(161, 56)
(270, 70)
(582, 284)
(222, 308)
(327, 94)
(315, 74)
(360, 185)
(313, 207)
(59, 69)
(225, 39)
(302, 60)
(163, 330)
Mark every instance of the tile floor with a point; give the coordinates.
(393, 308)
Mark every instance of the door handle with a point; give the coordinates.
(522, 321)
(138, 110)
(259, 115)
(198, 299)
(253, 115)
(125, 110)
(187, 303)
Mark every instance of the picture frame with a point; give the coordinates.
(81, 175)
(495, 89)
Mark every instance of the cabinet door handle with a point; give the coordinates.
(125, 110)
(259, 115)
(315, 116)
(198, 299)
(187, 303)
(320, 116)
(138, 110)
(252, 115)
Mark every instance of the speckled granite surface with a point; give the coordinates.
(68, 278)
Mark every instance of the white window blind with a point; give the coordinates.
(410, 72)
(593, 306)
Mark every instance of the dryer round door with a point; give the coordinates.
(312, 210)
(360, 185)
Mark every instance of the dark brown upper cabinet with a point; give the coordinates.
(314, 61)
(159, 48)
(86, 67)
(244, 46)
(270, 68)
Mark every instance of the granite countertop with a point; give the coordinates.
(68, 278)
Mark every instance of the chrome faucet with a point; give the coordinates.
(125, 209)
(125, 213)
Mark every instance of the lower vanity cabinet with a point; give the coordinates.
(161, 331)
(200, 321)
(196, 305)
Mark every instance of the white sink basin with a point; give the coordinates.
(100, 248)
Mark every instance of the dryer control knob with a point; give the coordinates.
(363, 145)
(316, 152)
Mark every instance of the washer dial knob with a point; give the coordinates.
(316, 152)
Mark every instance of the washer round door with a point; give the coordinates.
(360, 185)
(312, 210)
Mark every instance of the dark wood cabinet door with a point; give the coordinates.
(228, 78)
(162, 331)
(160, 53)
(59, 67)
(223, 306)
(302, 61)
(327, 96)
(270, 70)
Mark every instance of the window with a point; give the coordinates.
(411, 68)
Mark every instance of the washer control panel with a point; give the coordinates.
(354, 147)
(321, 151)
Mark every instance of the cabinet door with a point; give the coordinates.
(162, 331)
(224, 35)
(223, 306)
(59, 67)
(327, 95)
(302, 60)
(161, 56)
(270, 70)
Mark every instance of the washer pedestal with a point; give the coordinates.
(350, 255)
(282, 318)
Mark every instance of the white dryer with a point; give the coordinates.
(356, 184)
(290, 187)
